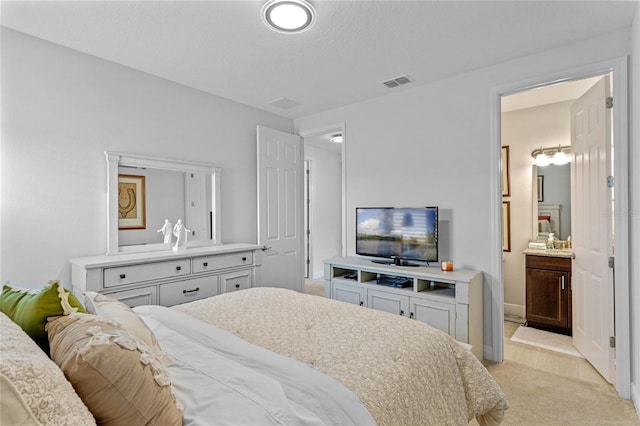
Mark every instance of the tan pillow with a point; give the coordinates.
(119, 378)
(111, 309)
(30, 381)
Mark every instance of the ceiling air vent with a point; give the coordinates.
(398, 81)
(284, 103)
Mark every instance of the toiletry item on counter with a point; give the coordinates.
(537, 246)
(550, 241)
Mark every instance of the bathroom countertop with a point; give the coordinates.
(550, 252)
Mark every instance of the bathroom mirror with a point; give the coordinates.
(551, 200)
(164, 190)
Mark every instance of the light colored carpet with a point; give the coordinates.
(540, 398)
(544, 339)
(315, 287)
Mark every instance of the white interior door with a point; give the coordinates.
(591, 223)
(280, 209)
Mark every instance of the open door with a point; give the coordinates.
(280, 209)
(592, 228)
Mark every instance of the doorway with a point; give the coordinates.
(537, 127)
(324, 182)
(618, 68)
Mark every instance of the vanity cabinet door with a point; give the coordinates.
(548, 298)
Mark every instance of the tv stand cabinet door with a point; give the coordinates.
(388, 302)
(437, 314)
(349, 293)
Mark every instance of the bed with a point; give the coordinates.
(256, 356)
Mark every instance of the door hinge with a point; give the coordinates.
(612, 341)
(610, 102)
(610, 181)
(611, 262)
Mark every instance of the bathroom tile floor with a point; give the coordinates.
(546, 360)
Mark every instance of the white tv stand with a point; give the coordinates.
(450, 301)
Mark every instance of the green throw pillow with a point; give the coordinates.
(31, 308)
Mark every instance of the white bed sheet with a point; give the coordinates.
(222, 379)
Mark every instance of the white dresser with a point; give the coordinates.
(166, 277)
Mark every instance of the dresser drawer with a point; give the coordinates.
(222, 261)
(137, 297)
(234, 281)
(130, 274)
(188, 290)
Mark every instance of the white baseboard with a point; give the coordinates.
(635, 397)
(514, 310)
(318, 275)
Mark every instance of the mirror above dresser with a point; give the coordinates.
(143, 193)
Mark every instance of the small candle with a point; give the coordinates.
(447, 265)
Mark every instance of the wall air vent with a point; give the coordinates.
(398, 81)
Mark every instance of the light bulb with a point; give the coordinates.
(542, 160)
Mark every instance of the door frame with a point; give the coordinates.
(618, 69)
(330, 128)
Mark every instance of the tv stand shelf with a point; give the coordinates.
(450, 301)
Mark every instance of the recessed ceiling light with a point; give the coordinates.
(336, 138)
(288, 16)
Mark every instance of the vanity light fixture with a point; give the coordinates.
(547, 156)
(288, 16)
(336, 138)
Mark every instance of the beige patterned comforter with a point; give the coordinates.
(404, 371)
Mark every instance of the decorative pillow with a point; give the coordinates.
(114, 310)
(31, 308)
(119, 377)
(32, 386)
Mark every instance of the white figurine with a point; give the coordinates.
(180, 232)
(166, 231)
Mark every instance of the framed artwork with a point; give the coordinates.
(540, 188)
(506, 187)
(506, 226)
(131, 202)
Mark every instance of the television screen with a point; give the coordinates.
(392, 232)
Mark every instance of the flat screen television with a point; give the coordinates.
(400, 234)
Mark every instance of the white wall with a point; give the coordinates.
(634, 161)
(61, 109)
(326, 206)
(523, 131)
(431, 145)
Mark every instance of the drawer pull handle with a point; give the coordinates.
(123, 276)
(205, 264)
(237, 285)
(244, 259)
(401, 312)
(361, 303)
(191, 291)
(178, 268)
(410, 314)
(562, 282)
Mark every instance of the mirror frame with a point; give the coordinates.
(117, 159)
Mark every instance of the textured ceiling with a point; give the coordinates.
(223, 48)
